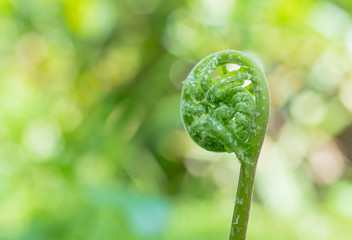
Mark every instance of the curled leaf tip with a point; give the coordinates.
(225, 104)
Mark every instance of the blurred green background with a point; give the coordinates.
(92, 144)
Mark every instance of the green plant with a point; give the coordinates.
(225, 107)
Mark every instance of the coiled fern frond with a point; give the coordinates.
(226, 104)
(225, 107)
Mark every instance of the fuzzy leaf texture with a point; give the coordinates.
(225, 104)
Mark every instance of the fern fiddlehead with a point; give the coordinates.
(225, 107)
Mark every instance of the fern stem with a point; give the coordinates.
(243, 202)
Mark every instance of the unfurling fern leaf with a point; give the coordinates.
(225, 107)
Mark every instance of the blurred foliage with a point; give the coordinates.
(92, 144)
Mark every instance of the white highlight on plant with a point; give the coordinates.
(237, 218)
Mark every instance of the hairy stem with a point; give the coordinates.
(243, 202)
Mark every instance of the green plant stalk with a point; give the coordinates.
(250, 158)
(243, 202)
